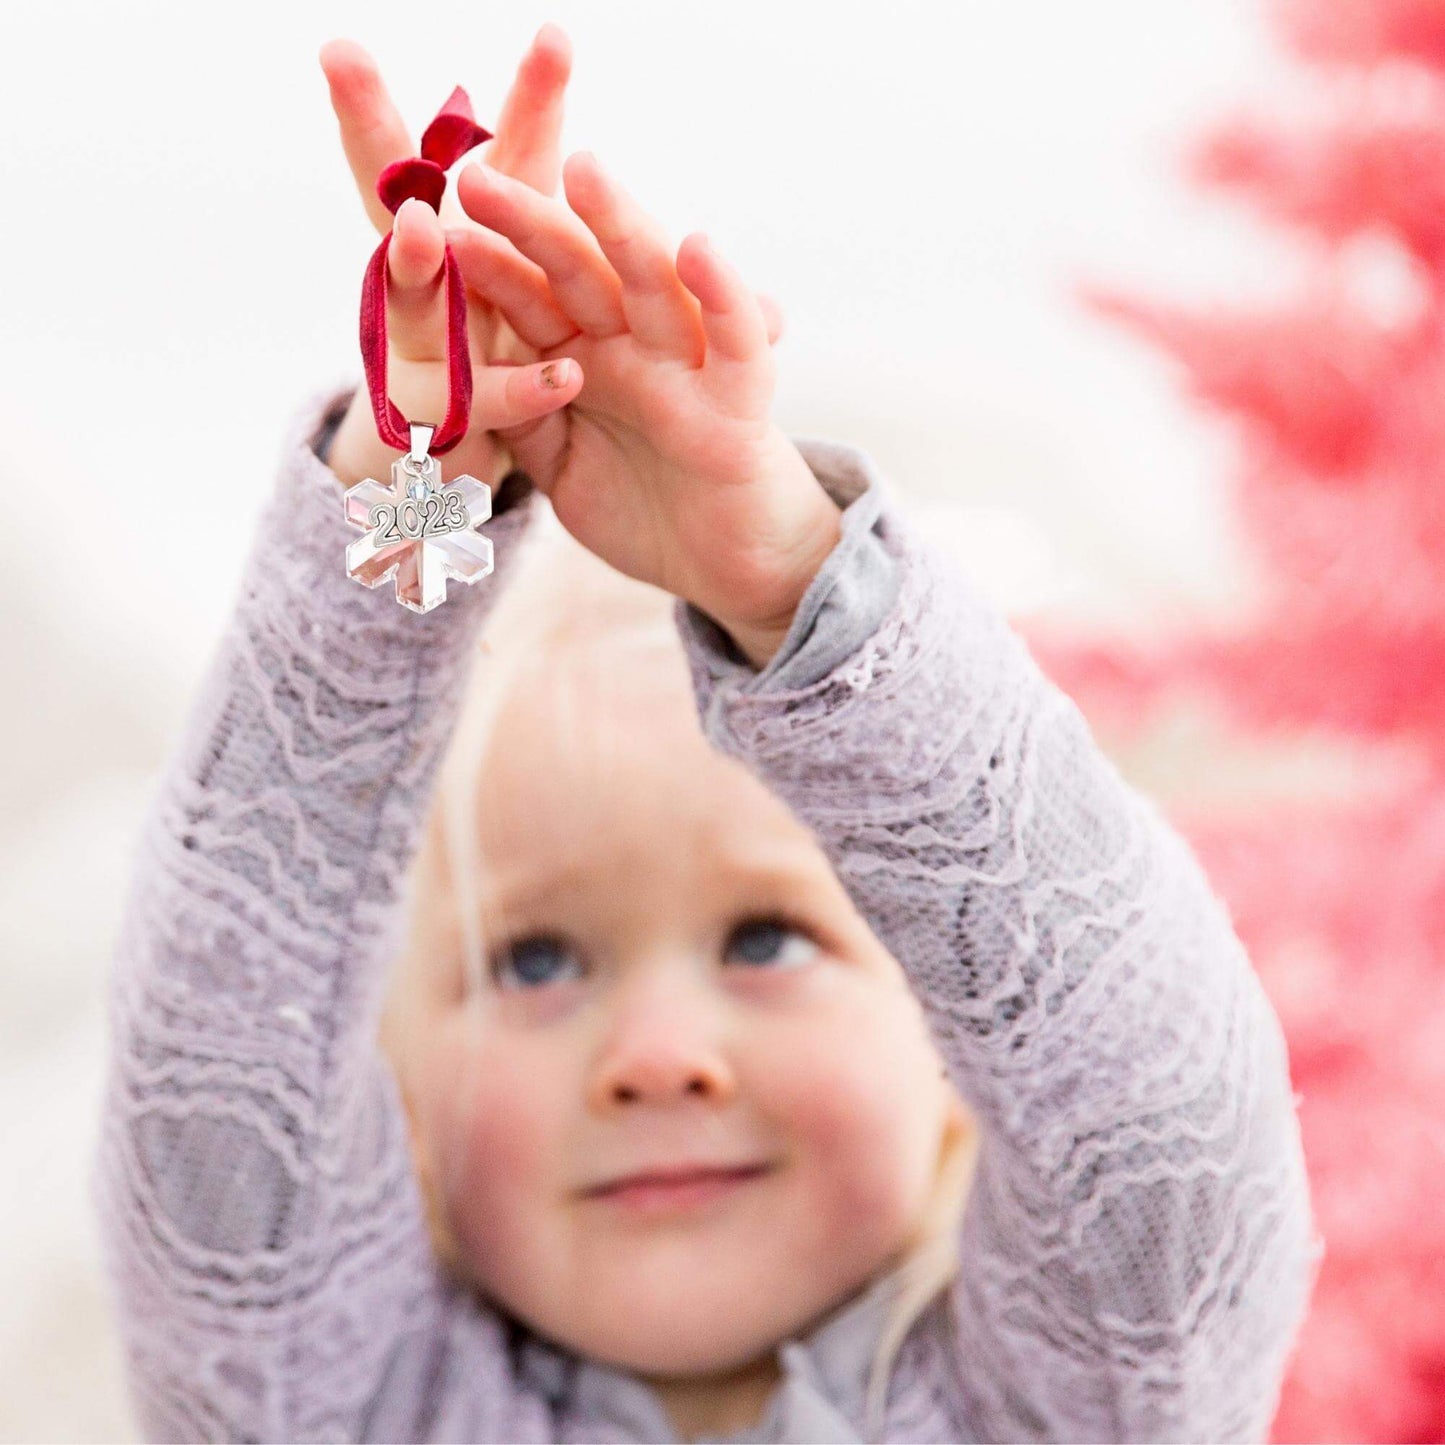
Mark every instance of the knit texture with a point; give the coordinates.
(1137, 1248)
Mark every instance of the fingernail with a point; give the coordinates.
(555, 375)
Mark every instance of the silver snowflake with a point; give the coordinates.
(418, 530)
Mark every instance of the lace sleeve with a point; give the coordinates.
(1136, 1251)
(262, 1228)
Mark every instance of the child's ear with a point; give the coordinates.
(443, 1242)
(392, 1032)
(960, 1126)
(960, 1123)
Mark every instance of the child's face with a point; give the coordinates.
(647, 1014)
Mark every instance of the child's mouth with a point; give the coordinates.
(652, 1194)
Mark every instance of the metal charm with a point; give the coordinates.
(418, 529)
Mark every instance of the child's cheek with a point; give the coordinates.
(859, 1104)
(845, 1124)
(499, 1160)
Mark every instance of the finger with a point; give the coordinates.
(416, 315)
(527, 144)
(505, 344)
(526, 409)
(660, 312)
(512, 400)
(496, 271)
(773, 315)
(373, 134)
(583, 283)
(737, 370)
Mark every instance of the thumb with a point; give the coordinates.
(524, 407)
(508, 398)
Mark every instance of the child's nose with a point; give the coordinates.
(661, 1058)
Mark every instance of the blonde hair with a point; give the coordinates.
(566, 612)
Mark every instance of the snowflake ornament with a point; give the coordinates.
(418, 529)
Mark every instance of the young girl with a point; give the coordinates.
(549, 1018)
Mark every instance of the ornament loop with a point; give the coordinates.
(421, 435)
(452, 133)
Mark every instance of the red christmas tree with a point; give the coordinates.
(1340, 499)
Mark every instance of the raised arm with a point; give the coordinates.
(1136, 1251)
(262, 1227)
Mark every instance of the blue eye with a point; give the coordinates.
(540, 959)
(530, 960)
(761, 940)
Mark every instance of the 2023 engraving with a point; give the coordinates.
(434, 516)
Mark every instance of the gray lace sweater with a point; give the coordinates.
(1137, 1247)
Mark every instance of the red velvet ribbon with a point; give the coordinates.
(451, 134)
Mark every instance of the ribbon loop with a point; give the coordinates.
(452, 132)
(412, 177)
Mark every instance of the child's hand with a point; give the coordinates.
(526, 145)
(667, 465)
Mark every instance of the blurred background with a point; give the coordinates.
(1186, 443)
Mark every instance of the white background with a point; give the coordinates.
(182, 255)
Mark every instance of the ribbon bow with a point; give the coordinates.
(452, 133)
